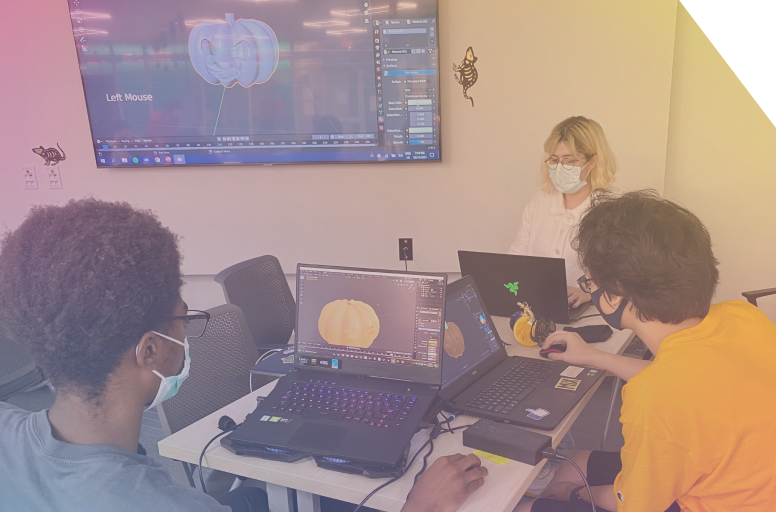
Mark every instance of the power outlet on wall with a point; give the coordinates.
(405, 249)
(30, 179)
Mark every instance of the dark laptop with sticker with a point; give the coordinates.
(479, 379)
(506, 279)
(368, 365)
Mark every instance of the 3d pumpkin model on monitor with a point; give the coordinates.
(346, 322)
(230, 52)
(454, 343)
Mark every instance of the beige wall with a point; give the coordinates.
(721, 162)
(539, 62)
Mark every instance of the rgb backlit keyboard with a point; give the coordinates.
(321, 399)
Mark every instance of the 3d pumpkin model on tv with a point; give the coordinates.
(233, 52)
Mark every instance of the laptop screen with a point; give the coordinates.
(377, 323)
(469, 337)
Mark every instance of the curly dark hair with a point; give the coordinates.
(81, 283)
(651, 251)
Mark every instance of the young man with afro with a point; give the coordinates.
(92, 290)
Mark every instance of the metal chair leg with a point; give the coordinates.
(612, 401)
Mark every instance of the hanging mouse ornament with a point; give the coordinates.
(466, 73)
(529, 329)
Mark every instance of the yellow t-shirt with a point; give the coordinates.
(700, 422)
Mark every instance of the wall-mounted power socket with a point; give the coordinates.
(405, 249)
(30, 179)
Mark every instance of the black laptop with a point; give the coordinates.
(368, 365)
(507, 279)
(479, 379)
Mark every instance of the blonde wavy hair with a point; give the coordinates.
(586, 138)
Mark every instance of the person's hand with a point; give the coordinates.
(577, 296)
(578, 352)
(446, 484)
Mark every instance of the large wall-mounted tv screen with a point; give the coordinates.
(204, 82)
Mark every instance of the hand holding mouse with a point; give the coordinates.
(446, 484)
(577, 352)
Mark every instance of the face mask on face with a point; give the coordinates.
(171, 384)
(567, 180)
(613, 319)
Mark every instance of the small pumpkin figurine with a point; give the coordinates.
(346, 322)
(529, 330)
(521, 322)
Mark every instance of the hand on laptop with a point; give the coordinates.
(577, 297)
(446, 484)
(578, 352)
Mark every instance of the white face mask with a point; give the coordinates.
(567, 180)
(171, 384)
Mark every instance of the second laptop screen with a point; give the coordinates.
(469, 337)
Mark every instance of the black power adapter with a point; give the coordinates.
(507, 441)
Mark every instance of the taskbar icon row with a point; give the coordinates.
(143, 161)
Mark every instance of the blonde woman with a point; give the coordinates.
(577, 160)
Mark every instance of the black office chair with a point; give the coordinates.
(219, 374)
(18, 372)
(753, 295)
(259, 287)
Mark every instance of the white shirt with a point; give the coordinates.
(546, 231)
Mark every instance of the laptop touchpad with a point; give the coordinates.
(550, 399)
(321, 437)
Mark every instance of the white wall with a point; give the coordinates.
(720, 163)
(539, 62)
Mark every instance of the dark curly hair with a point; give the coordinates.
(81, 283)
(650, 251)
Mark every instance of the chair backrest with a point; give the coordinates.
(259, 287)
(15, 361)
(219, 374)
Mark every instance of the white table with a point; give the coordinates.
(503, 488)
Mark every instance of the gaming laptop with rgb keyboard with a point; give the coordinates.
(368, 365)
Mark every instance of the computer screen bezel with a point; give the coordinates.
(411, 373)
(439, 149)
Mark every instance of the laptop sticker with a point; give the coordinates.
(572, 372)
(274, 419)
(568, 384)
(265, 418)
(288, 359)
(537, 414)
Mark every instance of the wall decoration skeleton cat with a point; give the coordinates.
(466, 74)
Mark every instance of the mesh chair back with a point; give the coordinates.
(259, 287)
(15, 363)
(219, 374)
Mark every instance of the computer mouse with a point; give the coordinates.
(554, 348)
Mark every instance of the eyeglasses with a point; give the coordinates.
(567, 163)
(584, 284)
(194, 322)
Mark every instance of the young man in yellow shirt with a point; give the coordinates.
(699, 421)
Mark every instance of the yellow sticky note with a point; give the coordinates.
(498, 460)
